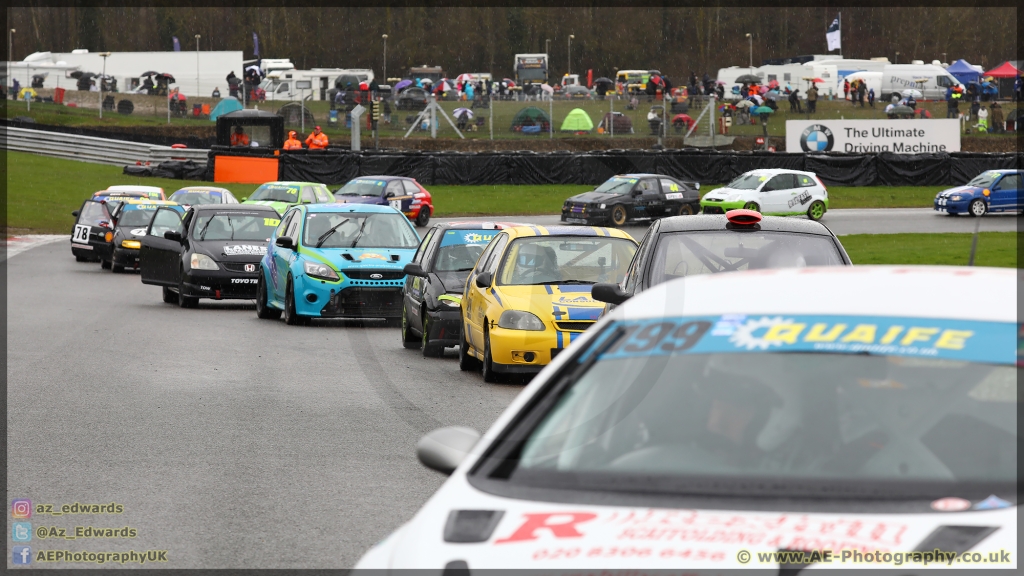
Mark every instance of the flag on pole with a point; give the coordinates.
(255, 44)
(832, 35)
(177, 45)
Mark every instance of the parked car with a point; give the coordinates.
(412, 99)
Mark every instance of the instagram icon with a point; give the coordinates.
(21, 509)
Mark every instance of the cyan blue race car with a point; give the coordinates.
(990, 191)
(336, 261)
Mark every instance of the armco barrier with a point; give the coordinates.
(90, 149)
(525, 167)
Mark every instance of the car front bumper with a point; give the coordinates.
(221, 284)
(510, 349)
(588, 217)
(951, 207)
(127, 257)
(713, 207)
(445, 326)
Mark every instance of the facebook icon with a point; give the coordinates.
(21, 555)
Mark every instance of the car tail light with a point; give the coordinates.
(822, 184)
(743, 217)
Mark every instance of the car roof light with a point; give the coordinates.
(743, 217)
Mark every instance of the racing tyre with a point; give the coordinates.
(183, 300)
(408, 340)
(816, 210)
(105, 264)
(977, 208)
(467, 363)
(423, 217)
(488, 366)
(685, 210)
(116, 268)
(81, 259)
(170, 296)
(291, 317)
(752, 206)
(618, 215)
(430, 350)
(263, 310)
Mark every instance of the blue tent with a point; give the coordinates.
(963, 72)
(225, 106)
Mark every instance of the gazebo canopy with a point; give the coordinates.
(1004, 70)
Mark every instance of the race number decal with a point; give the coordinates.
(81, 235)
(396, 204)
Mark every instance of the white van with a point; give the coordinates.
(931, 80)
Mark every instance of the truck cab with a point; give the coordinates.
(570, 80)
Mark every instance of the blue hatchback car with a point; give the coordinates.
(990, 191)
(336, 261)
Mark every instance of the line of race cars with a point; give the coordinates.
(666, 392)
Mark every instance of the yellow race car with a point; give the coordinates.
(528, 296)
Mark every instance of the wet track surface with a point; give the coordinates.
(234, 442)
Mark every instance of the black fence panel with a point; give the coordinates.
(964, 166)
(411, 165)
(919, 169)
(843, 170)
(324, 167)
(551, 168)
(747, 161)
(471, 169)
(695, 166)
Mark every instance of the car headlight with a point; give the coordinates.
(603, 206)
(956, 198)
(203, 262)
(133, 244)
(320, 271)
(519, 320)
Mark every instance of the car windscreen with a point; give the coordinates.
(681, 254)
(255, 226)
(362, 187)
(565, 260)
(136, 215)
(276, 193)
(358, 230)
(92, 214)
(194, 198)
(748, 181)
(984, 180)
(808, 401)
(617, 186)
(460, 249)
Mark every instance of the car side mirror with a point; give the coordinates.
(75, 213)
(445, 448)
(389, 195)
(610, 293)
(414, 270)
(285, 242)
(172, 235)
(484, 280)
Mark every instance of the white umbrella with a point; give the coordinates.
(911, 92)
(547, 88)
(460, 111)
(744, 104)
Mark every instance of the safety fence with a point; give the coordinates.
(94, 149)
(525, 167)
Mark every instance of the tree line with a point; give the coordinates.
(675, 40)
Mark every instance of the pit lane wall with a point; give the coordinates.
(524, 167)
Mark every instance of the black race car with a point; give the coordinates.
(711, 243)
(632, 197)
(93, 231)
(213, 252)
(131, 220)
(435, 280)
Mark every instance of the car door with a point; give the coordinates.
(87, 223)
(476, 298)
(1004, 193)
(776, 194)
(159, 256)
(394, 196)
(283, 257)
(674, 195)
(416, 285)
(647, 199)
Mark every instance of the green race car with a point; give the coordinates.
(283, 195)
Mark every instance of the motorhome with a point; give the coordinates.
(531, 69)
(795, 76)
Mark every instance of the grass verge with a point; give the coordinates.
(953, 249)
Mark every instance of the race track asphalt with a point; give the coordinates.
(234, 442)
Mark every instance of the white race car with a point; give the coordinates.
(777, 192)
(842, 417)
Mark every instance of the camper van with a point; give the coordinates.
(796, 76)
(931, 80)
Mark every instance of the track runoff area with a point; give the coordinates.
(216, 434)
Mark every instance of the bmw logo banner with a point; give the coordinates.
(916, 136)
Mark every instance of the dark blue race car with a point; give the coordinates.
(990, 191)
(403, 194)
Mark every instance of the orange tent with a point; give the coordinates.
(1004, 70)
